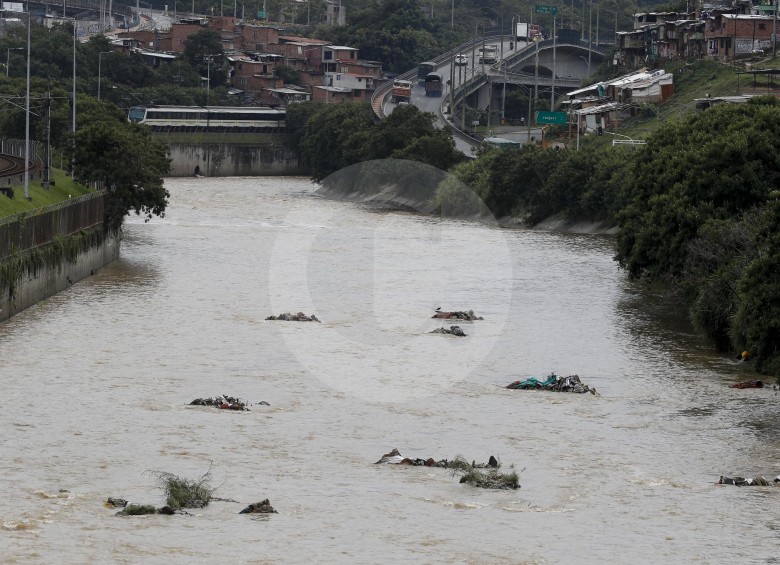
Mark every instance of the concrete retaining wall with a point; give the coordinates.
(233, 160)
(51, 280)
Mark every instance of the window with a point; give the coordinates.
(761, 26)
(328, 55)
(351, 54)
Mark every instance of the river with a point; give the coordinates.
(97, 381)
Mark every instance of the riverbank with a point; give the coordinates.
(389, 199)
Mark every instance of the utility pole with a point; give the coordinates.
(552, 92)
(529, 35)
(503, 98)
(208, 79)
(27, 116)
(46, 136)
(590, 33)
(73, 95)
(774, 33)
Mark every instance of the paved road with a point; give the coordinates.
(463, 73)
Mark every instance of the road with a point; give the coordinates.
(462, 73)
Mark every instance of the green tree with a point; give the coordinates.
(716, 165)
(288, 74)
(334, 137)
(756, 323)
(203, 51)
(129, 163)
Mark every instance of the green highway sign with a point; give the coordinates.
(550, 117)
(546, 10)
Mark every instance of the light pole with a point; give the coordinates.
(774, 32)
(27, 116)
(500, 15)
(536, 65)
(590, 33)
(208, 59)
(8, 58)
(100, 61)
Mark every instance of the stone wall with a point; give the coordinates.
(48, 281)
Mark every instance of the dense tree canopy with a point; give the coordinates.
(126, 160)
(717, 165)
(337, 136)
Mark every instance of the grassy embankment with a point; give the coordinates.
(697, 80)
(62, 189)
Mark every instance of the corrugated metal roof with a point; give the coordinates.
(608, 107)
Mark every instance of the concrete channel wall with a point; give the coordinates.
(49, 280)
(230, 159)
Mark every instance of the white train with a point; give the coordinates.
(208, 117)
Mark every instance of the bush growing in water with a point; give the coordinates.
(184, 493)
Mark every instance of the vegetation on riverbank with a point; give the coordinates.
(61, 189)
(333, 137)
(696, 207)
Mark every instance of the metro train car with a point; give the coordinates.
(205, 118)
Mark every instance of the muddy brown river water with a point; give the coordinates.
(96, 382)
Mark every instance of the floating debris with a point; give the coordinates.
(458, 314)
(395, 458)
(749, 482)
(748, 384)
(185, 493)
(555, 383)
(299, 317)
(115, 503)
(263, 507)
(484, 475)
(225, 402)
(454, 330)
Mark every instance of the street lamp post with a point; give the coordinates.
(590, 33)
(208, 59)
(8, 58)
(501, 16)
(27, 116)
(100, 61)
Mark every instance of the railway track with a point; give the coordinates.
(11, 171)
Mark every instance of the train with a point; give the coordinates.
(205, 118)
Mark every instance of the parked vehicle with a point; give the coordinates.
(433, 85)
(461, 60)
(402, 91)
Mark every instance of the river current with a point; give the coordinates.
(96, 383)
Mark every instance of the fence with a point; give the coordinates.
(26, 232)
(16, 148)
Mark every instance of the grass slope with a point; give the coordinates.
(63, 188)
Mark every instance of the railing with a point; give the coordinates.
(25, 232)
(628, 142)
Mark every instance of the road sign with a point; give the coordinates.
(550, 117)
(546, 10)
